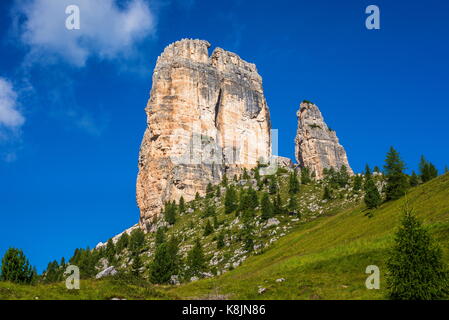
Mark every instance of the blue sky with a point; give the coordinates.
(72, 102)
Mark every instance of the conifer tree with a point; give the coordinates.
(277, 204)
(220, 241)
(245, 175)
(110, 252)
(208, 229)
(257, 177)
(372, 197)
(446, 169)
(224, 181)
(397, 182)
(197, 196)
(210, 210)
(427, 170)
(196, 261)
(247, 236)
(293, 183)
(266, 207)
(170, 212)
(253, 200)
(230, 200)
(327, 194)
(273, 186)
(165, 262)
(182, 205)
(416, 270)
(376, 169)
(160, 236)
(16, 267)
(209, 190)
(305, 176)
(136, 241)
(218, 192)
(343, 176)
(358, 181)
(414, 180)
(136, 265)
(292, 204)
(122, 242)
(216, 223)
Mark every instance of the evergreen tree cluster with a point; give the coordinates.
(427, 170)
(16, 268)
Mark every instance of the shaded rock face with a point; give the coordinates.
(316, 146)
(206, 117)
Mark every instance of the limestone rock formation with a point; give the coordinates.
(316, 145)
(206, 117)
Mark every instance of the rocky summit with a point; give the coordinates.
(316, 145)
(206, 117)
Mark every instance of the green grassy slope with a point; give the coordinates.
(324, 258)
(327, 258)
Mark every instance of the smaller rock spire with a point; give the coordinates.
(316, 145)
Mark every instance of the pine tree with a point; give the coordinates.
(197, 196)
(266, 207)
(182, 205)
(358, 181)
(257, 177)
(16, 267)
(218, 192)
(343, 177)
(196, 261)
(293, 183)
(416, 270)
(122, 242)
(414, 180)
(136, 241)
(53, 272)
(397, 182)
(305, 176)
(160, 236)
(165, 262)
(208, 229)
(216, 224)
(327, 194)
(372, 197)
(253, 200)
(210, 210)
(273, 186)
(427, 170)
(220, 241)
(170, 213)
(376, 169)
(277, 204)
(245, 175)
(224, 181)
(292, 204)
(367, 172)
(110, 252)
(209, 190)
(230, 201)
(136, 266)
(247, 235)
(446, 169)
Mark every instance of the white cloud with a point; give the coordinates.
(10, 116)
(106, 31)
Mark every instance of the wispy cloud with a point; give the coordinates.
(107, 31)
(11, 119)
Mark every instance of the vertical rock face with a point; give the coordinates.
(206, 117)
(316, 145)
